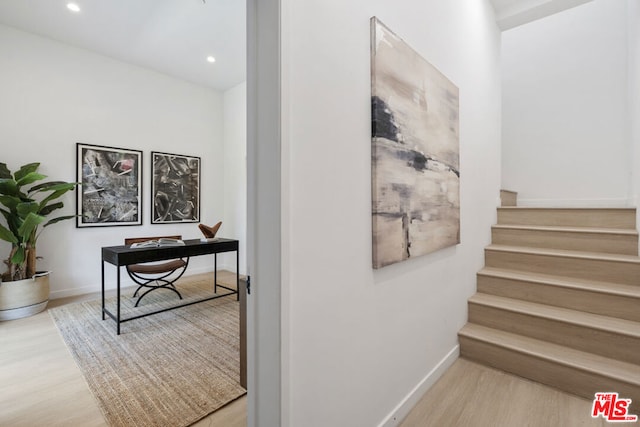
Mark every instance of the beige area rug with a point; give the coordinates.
(169, 369)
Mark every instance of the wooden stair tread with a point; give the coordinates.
(562, 290)
(559, 228)
(588, 362)
(609, 288)
(562, 253)
(542, 208)
(600, 217)
(594, 321)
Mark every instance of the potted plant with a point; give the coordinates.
(25, 207)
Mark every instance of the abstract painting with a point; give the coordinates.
(414, 152)
(175, 188)
(111, 186)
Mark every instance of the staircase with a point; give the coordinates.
(558, 300)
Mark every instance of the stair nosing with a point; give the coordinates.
(572, 361)
(562, 229)
(600, 287)
(565, 208)
(627, 328)
(563, 253)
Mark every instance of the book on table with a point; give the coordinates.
(158, 243)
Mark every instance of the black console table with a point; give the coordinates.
(124, 255)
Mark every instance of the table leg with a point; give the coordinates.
(215, 273)
(238, 272)
(118, 302)
(243, 334)
(103, 317)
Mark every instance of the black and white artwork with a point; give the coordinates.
(414, 152)
(110, 193)
(175, 188)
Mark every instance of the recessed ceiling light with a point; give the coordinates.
(211, 59)
(73, 7)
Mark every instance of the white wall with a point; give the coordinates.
(234, 219)
(565, 120)
(634, 93)
(356, 342)
(54, 95)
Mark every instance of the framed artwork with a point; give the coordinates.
(175, 188)
(414, 152)
(110, 193)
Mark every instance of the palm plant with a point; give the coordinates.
(25, 207)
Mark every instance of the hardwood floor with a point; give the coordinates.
(40, 384)
(470, 394)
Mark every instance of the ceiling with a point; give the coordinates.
(173, 37)
(513, 13)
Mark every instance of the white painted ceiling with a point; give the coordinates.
(513, 13)
(175, 36)
(170, 36)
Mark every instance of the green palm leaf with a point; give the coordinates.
(25, 208)
(57, 194)
(18, 257)
(11, 202)
(26, 170)
(30, 223)
(30, 178)
(5, 173)
(9, 187)
(7, 235)
(60, 218)
(46, 210)
(53, 186)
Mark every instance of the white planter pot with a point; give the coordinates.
(24, 298)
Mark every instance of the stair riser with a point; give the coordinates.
(576, 299)
(508, 198)
(580, 241)
(595, 269)
(605, 343)
(566, 378)
(598, 218)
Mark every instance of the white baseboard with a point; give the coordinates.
(226, 266)
(406, 405)
(72, 292)
(576, 203)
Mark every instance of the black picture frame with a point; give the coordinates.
(111, 190)
(175, 188)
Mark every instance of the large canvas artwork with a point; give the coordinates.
(175, 188)
(111, 186)
(415, 152)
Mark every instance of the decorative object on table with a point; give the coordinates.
(26, 206)
(183, 364)
(175, 188)
(111, 186)
(156, 275)
(210, 232)
(414, 152)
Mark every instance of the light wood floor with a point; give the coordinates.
(470, 394)
(40, 384)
